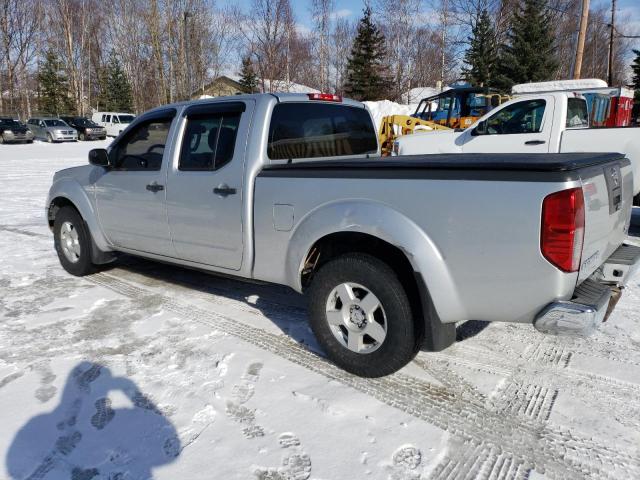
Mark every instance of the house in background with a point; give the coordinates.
(226, 85)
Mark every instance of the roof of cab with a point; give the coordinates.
(280, 97)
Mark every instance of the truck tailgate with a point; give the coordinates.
(608, 195)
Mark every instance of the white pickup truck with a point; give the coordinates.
(556, 122)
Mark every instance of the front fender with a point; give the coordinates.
(71, 190)
(381, 221)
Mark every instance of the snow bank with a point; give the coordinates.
(416, 94)
(558, 85)
(382, 108)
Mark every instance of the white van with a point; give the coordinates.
(114, 122)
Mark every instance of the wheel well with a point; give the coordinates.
(336, 244)
(55, 205)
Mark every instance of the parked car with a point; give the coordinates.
(52, 129)
(87, 129)
(541, 123)
(114, 122)
(12, 131)
(392, 253)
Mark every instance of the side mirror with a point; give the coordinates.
(99, 157)
(480, 129)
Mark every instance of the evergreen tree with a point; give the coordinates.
(530, 52)
(481, 56)
(117, 89)
(248, 77)
(54, 87)
(367, 74)
(635, 67)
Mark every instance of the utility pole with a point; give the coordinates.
(584, 20)
(611, 37)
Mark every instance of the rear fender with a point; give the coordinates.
(389, 225)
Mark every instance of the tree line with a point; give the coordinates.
(72, 56)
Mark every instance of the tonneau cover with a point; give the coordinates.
(532, 162)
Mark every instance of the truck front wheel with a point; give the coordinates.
(72, 242)
(361, 316)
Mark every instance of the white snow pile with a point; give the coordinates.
(558, 85)
(382, 108)
(416, 94)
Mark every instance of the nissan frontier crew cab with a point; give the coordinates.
(290, 189)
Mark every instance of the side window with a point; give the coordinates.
(143, 146)
(577, 113)
(106, 118)
(115, 119)
(521, 117)
(209, 141)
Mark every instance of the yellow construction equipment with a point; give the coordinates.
(393, 126)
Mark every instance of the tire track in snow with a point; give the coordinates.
(525, 444)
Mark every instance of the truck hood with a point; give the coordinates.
(428, 142)
(81, 173)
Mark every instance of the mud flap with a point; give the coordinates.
(437, 335)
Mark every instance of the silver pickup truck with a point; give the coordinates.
(391, 252)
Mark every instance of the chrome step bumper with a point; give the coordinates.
(620, 266)
(593, 300)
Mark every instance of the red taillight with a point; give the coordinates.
(562, 233)
(327, 97)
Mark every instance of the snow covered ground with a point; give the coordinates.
(148, 370)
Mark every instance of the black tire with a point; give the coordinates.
(29, 141)
(82, 266)
(49, 138)
(81, 137)
(1, 139)
(402, 339)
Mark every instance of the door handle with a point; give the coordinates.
(223, 190)
(535, 142)
(154, 187)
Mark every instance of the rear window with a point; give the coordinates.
(577, 113)
(310, 130)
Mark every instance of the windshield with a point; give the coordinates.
(126, 118)
(55, 123)
(84, 122)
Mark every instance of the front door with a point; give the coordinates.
(522, 127)
(130, 197)
(205, 194)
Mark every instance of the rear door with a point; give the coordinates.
(205, 185)
(130, 197)
(521, 127)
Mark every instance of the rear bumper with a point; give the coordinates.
(593, 300)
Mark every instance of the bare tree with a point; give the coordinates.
(268, 31)
(401, 20)
(321, 13)
(20, 25)
(340, 48)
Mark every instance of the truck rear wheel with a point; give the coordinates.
(361, 316)
(72, 242)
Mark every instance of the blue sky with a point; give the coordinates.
(353, 10)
